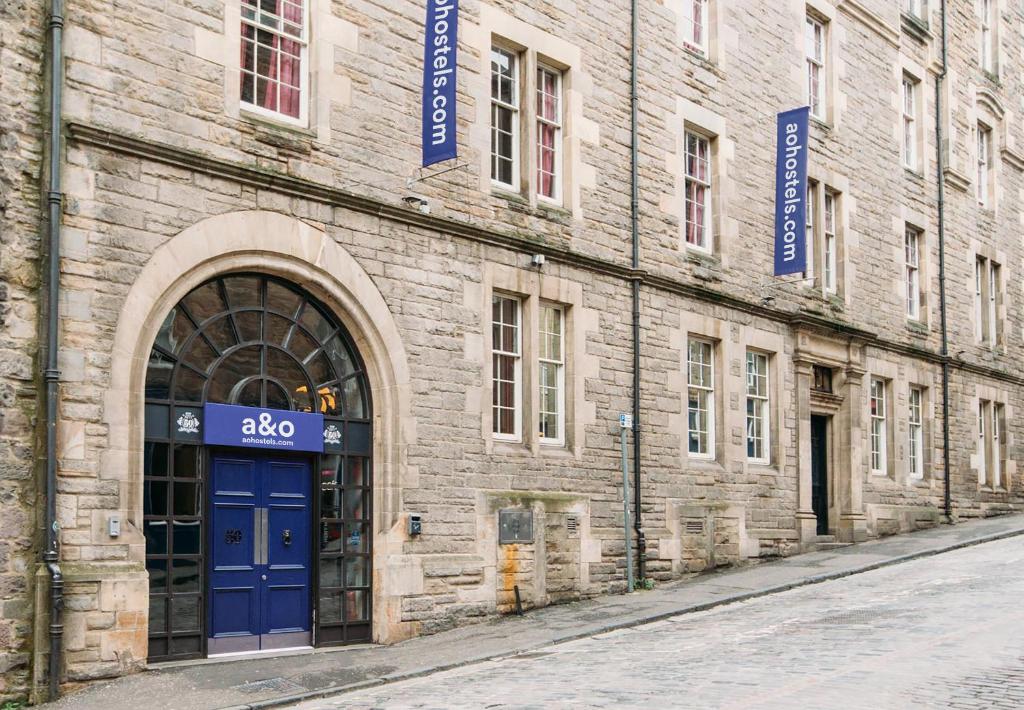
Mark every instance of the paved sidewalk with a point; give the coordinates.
(273, 681)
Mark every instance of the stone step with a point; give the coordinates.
(831, 545)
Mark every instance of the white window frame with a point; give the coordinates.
(988, 35)
(916, 8)
(979, 312)
(996, 445)
(984, 166)
(915, 430)
(831, 244)
(910, 86)
(983, 407)
(758, 412)
(517, 355)
(810, 230)
(816, 53)
(707, 244)
(556, 124)
(559, 365)
(879, 427)
(693, 27)
(497, 104)
(912, 270)
(993, 302)
(706, 390)
(303, 39)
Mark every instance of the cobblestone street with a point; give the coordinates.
(944, 631)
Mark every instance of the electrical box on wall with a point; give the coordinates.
(514, 526)
(114, 526)
(415, 525)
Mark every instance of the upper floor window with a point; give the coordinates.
(549, 132)
(758, 426)
(815, 51)
(912, 259)
(984, 163)
(552, 374)
(274, 58)
(916, 8)
(879, 462)
(910, 90)
(700, 398)
(698, 190)
(987, 288)
(916, 433)
(988, 35)
(695, 25)
(504, 117)
(831, 244)
(507, 367)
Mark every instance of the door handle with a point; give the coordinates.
(259, 535)
(286, 537)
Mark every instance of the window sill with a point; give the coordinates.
(918, 328)
(821, 123)
(698, 54)
(510, 448)
(922, 483)
(762, 467)
(556, 451)
(914, 173)
(263, 120)
(703, 465)
(916, 27)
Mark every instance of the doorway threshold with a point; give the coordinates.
(256, 655)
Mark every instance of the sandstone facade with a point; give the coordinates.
(170, 181)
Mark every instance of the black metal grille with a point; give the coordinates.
(253, 340)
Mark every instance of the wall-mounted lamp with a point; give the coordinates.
(538, 260)
(417, 202)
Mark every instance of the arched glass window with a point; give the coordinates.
(252, 340)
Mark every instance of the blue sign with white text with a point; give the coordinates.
(440, 53)
(791, 192)
(253, 427)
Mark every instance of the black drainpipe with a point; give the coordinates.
(51, 375)
(634, 204)
(940, 177)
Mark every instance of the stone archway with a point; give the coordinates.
(278, 245)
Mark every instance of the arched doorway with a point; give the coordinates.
(237, 524)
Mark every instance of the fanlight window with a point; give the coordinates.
(258, 342)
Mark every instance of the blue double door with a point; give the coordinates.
(259, 593)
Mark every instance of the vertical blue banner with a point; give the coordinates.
(440, 52)
(791, 192)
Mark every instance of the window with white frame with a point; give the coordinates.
(979, 303)
(984, 163)
(916, 433)
(758, 423)
(507, 366)
(983, 407)
(992, 316)
(831, 243)
(809, 229)
(274, 60)
(698, 191)
(912, 259)
(549, 133)
(879, 461)
(552, 374)
(504, 117)
(695, 25)
(700, 398)
(910, 87)
(916, 8)
(988, 35)
(996, 446)
(987, 284)
(815, 50)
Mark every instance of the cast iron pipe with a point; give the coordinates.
(941, 180)
(634, 205)
(51, 375)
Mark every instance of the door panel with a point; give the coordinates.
(260, 550)
(819, 471)
(234, 580)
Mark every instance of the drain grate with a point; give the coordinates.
(268, 685)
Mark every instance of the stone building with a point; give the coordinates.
(244, 222)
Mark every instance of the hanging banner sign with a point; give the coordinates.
(791, 192)
(440, 53)
(253, 427)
